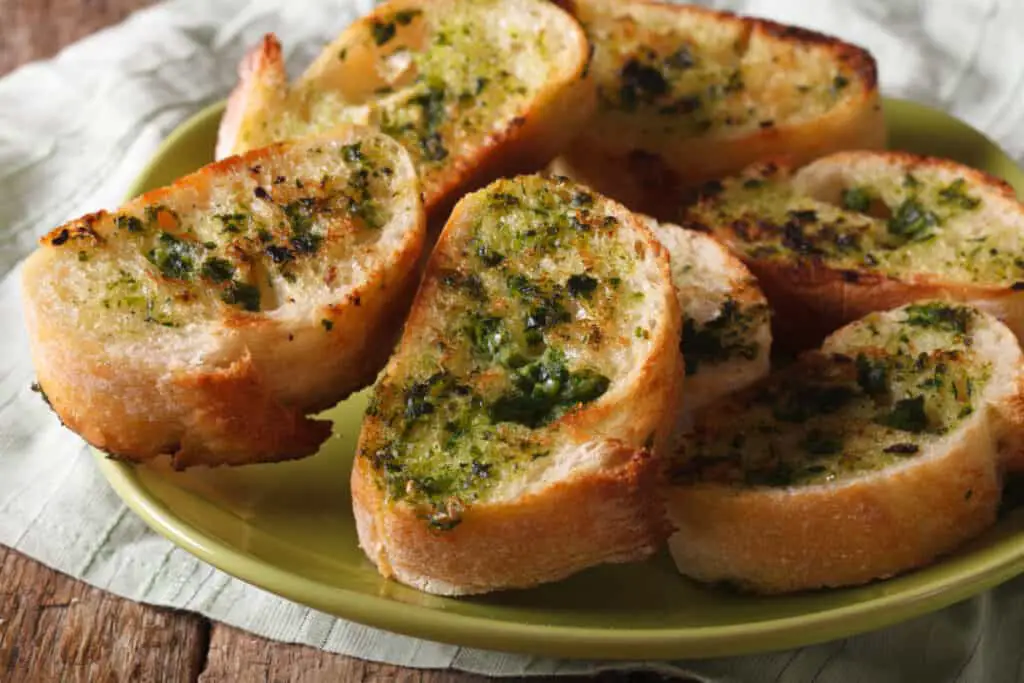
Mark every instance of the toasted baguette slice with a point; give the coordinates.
(865, 459)
(862, 231)
(207, 319)
(474, 89)
(727, 338)
(687, 94)
(516, 435)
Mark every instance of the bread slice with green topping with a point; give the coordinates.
(869, 457)
(726, 342)
(516, 435)
(206, 320)
(687, 95)
(474, 89)
(857, 232)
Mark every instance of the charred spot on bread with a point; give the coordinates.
(233, 252)
(438, 78)
(833, 417)
(682, 81)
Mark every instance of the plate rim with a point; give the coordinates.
(991, 567)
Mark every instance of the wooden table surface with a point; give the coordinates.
(54, 628)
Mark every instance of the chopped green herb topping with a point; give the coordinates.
(872, 375)
(856, 199)
(956, 194)
(723, 338)
(514, 350)
(912, 221)
(242, 294)
(129, 223)
(174, 257)
(907, 415)
(217, 269)
(941, 316)
(234, 223)
(580, 285)
(828, 417)
(545, 389)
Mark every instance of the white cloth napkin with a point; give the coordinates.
(75, 130)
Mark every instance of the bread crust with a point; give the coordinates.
(812, 299)
(522, 144)
(770, 539)
(730, 280)
(659, 179)
(249, 397)
(262, 87)
(777, 541)
(608, 513)
(611, 515)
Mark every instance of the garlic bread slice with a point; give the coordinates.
(687, 94)
(515, 436)
(207, 319)
(862, 231)
(868, 458)
(474, 89)
(727, 338)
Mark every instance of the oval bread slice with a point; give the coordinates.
(516, 435)
(726, 342)
(207, 319)
(474, 89)
(857, 232)
(868, 458)
(687, 95)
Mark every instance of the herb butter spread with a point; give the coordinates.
(441, 80)
(893, 390)
(232, 244)
(725, 316)
(685, 72)
(533, 313)
(888, 219)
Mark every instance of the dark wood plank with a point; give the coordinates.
(53, 628)
(35, 29)
(236, 656)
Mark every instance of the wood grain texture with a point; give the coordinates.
(237, 656)
(54, 628)
(36, 29)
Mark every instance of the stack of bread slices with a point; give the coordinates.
(560, 241)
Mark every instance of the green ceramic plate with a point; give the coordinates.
(288, 528)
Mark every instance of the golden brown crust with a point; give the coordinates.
(1011, 431)
(528, 144)
(658, 180)
(871, 524)
(607, 513)
(811, 299)
(706, 275)
(525, 143)
(782, 540)
(262, 84)
(246, 397)
(611, 515)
